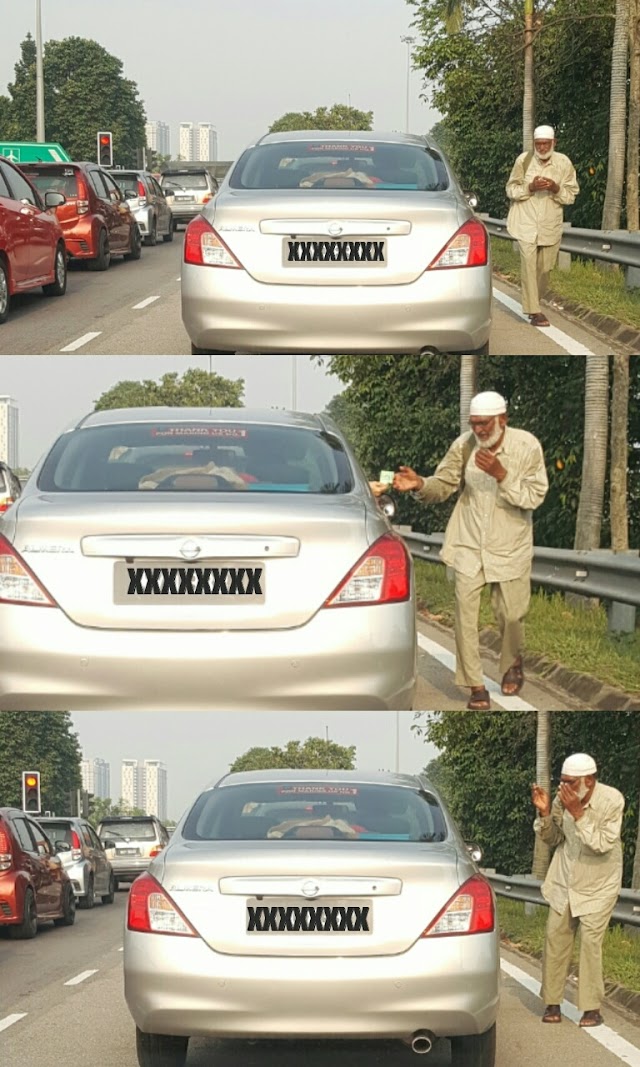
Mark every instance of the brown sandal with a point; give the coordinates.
(479, 701)
(591, 1018)
(539, 319)
(514, 676)
(552, 1014)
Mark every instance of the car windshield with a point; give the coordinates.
(185, 181)
(54, 179)
(136, 831)
(340, 165)
(275, 811)
(196, 456)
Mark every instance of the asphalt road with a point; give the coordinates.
(99, 316)
(46, 1022)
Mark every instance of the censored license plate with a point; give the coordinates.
(319, 251)
(306, 917)
(207, 582)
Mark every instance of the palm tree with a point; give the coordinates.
(468, 387)
(594, 460)
(617, 118)
(541, 851)
(619, 454)
(633, 131)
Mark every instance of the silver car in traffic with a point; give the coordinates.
(326, 241)
(202, 559)
(85, 859)
(314, 904)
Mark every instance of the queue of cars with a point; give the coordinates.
(51, 864)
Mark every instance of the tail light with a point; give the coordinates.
(151, 911)
(155, 851)
(76, 848)
(204, 248)
(82, 203)
(18, 584)
(6, 855)
(142, 192)
(207, 197)
(381, 576)
(6, 502)
(470, 911)
(469, 247)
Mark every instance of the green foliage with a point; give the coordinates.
(103, 808)
(85, 91)
(338, 117)
(488, 760)
(39, 741)
(314, 753)
(196, 388)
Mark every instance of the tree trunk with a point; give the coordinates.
(633, 132)
(617, 118)
(541, 851)
(594, 460)
(468, 387)
(635, 877)
(619, 454)
(528, 99)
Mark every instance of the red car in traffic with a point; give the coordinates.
(32, 246)
(34, 886)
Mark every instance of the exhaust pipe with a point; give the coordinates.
(428, 352)
(422, 1042)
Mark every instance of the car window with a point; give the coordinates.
(126, 180)
(59, 831)
(315, 810)
(95, 840)
(42, 841)
(95, 178)
(112, 189)
(55, 179)
(156, 188)
(23, 835)
(4, 481)
(197, 456)
(373, 165)
(4, 188)
(186, 181)
(135, 831)
(21, 189)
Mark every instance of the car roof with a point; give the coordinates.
(407, 781)
(344, 137)
(117, 416)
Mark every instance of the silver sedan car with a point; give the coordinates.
(311, 904)
(322, 241)
(195, 558)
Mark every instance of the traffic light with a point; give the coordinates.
(31, 792)
(105, 149)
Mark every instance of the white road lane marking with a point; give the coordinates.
(84, 340)
(81, 977)
(145, 303)
(562, 339)
(11, 1019)
(448, 660)
(604, 1035)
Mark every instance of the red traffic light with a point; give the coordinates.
(105, 140)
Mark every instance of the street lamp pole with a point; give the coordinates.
(39, 76)
(408, 41)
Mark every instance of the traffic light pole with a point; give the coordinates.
(39, 76)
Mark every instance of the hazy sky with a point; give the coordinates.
(51, 391)
(198, 747)
(240, 65)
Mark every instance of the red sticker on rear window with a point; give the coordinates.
(341, 148)
(324, 790)
(200, 431)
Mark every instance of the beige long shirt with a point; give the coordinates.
(586, 868)
(491, 527)
(538, 217)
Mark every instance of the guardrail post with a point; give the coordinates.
(632, 277)
(529, 908)
(564, 258)
(621, 618)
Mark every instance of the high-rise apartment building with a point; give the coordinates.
(155, 777)
(159, 137)
(186, 141)
(96, 777)
(9, 431)
(132, 788)
(198, 142)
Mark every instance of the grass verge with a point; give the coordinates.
(620, 953)
(573, 636)
(602, 290)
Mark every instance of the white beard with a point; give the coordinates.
(490, 441)
(582, 791)
(545, 157)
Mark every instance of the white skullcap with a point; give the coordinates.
(579, 764)
(544, 133)
(488, 404)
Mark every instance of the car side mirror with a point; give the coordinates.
(62, 846)
(472, 200)
(131, 194)
(387, 505)
(52, 199)
(108, 844)
(475, 852)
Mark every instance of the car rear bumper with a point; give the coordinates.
(185, 212)
(178, 985)
(79, 874)
(357, 658)
(127, 869)
(144, 218)
(227, 310)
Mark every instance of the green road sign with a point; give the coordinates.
(33, 152)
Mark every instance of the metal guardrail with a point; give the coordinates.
(610, 576)
(525, 888)
(610, 246)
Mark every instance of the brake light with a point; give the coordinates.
(470, 911)
(469, 247)
(18, 584)
(76, 848)
(6, 502)
(204, 248)
(142, 192)
(381, 576)
(155, 852)
(206, 198)
(82, 203)
(151, 911)
(6, 856)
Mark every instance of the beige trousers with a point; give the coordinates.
(536, 261)
(558, 949)
(510, 603)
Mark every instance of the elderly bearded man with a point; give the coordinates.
(501, 476)
(583, 882)
(539, 186)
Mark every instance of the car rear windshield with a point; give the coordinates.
(184, 181)
(58, 831)
(125, 179)
(340, 165)
(135, 831)
(196, 456)
(54, 179)
(276, 811)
